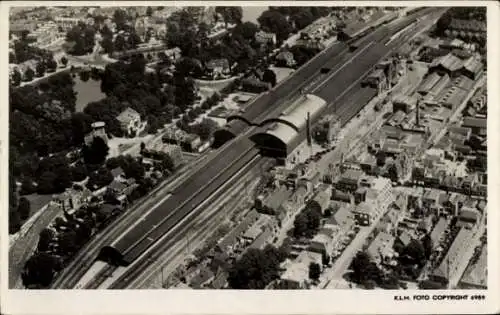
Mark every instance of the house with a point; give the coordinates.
(261, 241)
(187, 141)
(380, 248)
(218, 68)
(230, 242)
(478, 125)
(285, 59)
(72, 199)
(343, 218)
(469, 217)
(404, 103)
(130, 121)
(297, 273)
(220, 280)
(265, 38)
(349, 180)
(272, 203)
(368, 163)
(202, 278)
(322, 242)
(430, 200)
(118, 188)
(118, 174)
(323, 199)
(404, 238)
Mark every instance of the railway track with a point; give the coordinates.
(187, 206)
(251, 168)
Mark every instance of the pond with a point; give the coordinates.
(88, 91)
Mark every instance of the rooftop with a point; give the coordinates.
(380, 244)
(476, 274)
(128, 115)
(473, 122)
(298, 270)
(454, 254)
(438, 230)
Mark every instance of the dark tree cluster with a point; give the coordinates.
(256, 268)
(81, 38)
(24, 52)
(132, 167)
(307, 222)
(284, 20)
(365, 271)
(237, 46)
(42, 123)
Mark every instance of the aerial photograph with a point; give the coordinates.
(246, 147)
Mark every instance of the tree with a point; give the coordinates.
(302, 19)
(325, 259)
(427, 245)
(16, 77)
(120, 17)
(246, 30)
(231, 15)
(78, 173)
(364, 269)
(413, 254)
(314, 271)
(84, 75)
(100, 179)
(39, 270)
(51, 64)
(443, 23)
(46, 236)
(381, 156)
(205, 128)
(68, 242)
(46, 183)
(96, 153)
(275, 22)
(29, 74)
(269, 76)
(24, 208)
(27, 186)
(255, 269)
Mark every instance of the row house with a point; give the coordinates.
(381, 248)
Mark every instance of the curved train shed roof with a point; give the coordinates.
(287, 130)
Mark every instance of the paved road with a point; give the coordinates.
(24, 246)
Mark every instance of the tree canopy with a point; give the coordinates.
(255, 269)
